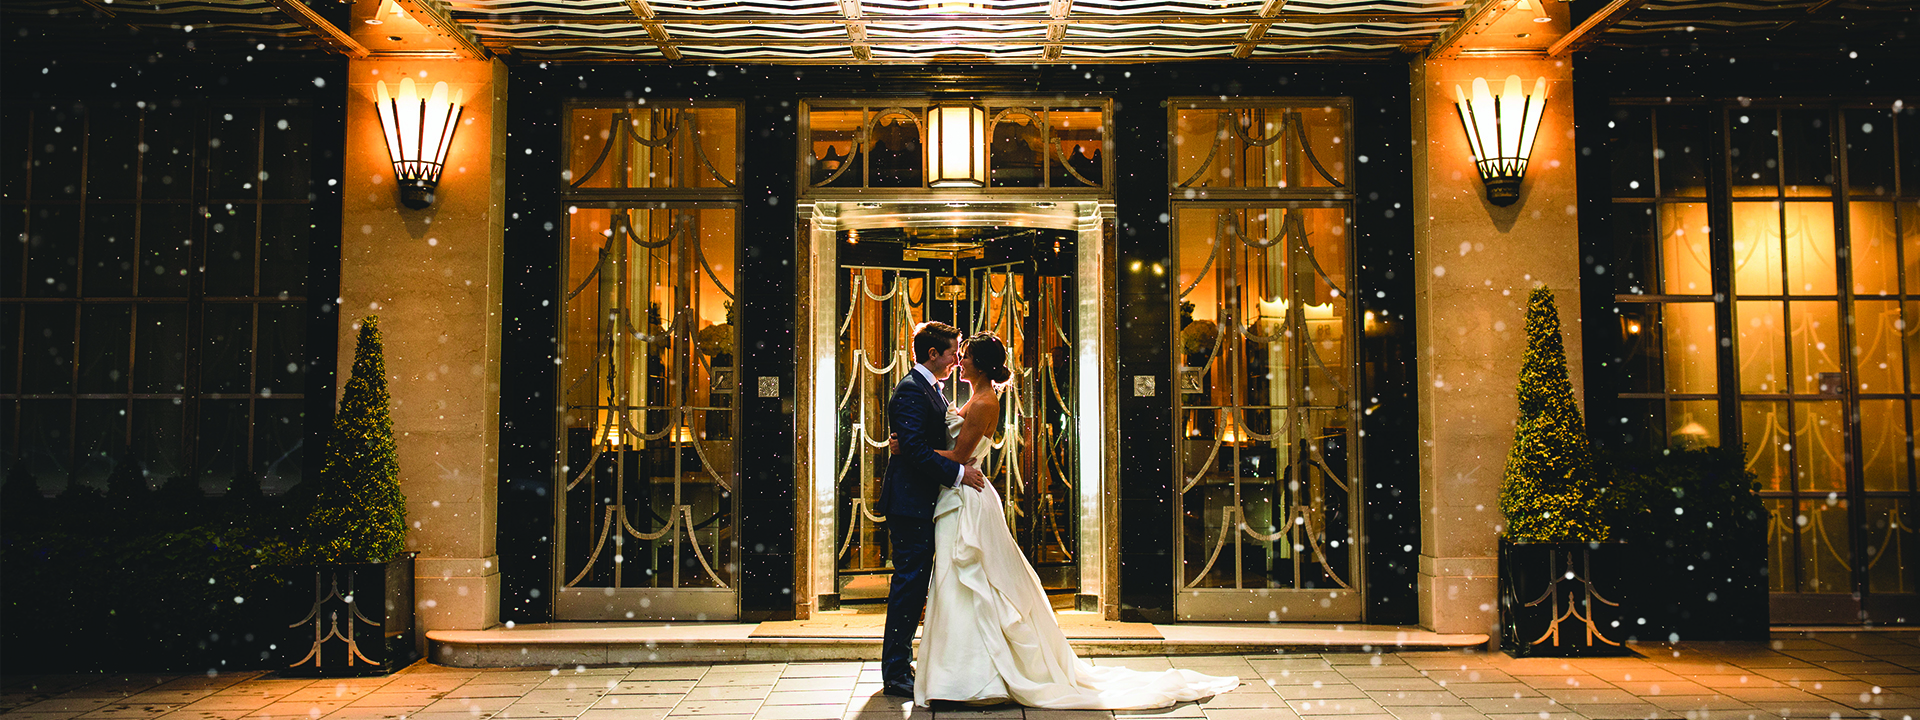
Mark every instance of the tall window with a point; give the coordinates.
(1805, 218)
(152, 292)
(648, 480)
(1265, 410)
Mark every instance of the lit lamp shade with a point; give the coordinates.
(419, 130)
(957, 147)
(1500, 131)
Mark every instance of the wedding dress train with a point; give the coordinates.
(990, 631)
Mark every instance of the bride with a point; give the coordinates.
(990, 634)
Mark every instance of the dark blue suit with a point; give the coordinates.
(917, 415)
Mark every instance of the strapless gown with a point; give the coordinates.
(990, 632)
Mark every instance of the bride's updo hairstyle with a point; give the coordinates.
(989, 356)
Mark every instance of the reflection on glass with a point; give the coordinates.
(1763, 429)
(1688, 330)
(1910, 242)
(1634, 249)
(1682, 151)
(1641, 370)
(1877, 346)
(1684, 258)
(1761, 338)
(1891, 543)
(1883, 444)
(1825, 539)
(1816, 348)
(1872, 248)
(1806, 152)
(1693, 424)
(1819, 447)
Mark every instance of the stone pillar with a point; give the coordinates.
(433, 277)
(1474, 265)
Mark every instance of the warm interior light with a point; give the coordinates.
(387, 7)
(957, 146)
(419, 131)
(1500, 132)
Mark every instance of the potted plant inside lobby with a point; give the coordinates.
(1557, 565)
(345, 579)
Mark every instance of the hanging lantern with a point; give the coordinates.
(1500, 131)
(419, 132)
(957, 146)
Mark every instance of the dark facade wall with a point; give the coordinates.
(188, 84)
(1382, 221)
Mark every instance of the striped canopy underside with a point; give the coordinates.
(914, 31)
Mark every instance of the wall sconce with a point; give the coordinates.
(418, 134)
(1501, 132)
(957, 147)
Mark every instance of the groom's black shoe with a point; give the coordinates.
(900, 688)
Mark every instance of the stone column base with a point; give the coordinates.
(1460, 595)
(456, 593)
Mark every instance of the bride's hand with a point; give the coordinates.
(893, 443)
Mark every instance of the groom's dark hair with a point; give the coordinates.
(935, 336)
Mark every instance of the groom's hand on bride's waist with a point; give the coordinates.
(973, 479)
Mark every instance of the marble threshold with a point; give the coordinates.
(567, 644)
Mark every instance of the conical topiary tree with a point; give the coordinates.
(359, 514)
(1548, 493)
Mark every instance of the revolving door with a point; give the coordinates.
(1019, 285)
(1028, 272)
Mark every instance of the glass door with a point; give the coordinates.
(1265, 416)
(1017, 284)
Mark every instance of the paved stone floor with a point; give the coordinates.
(1834, 675)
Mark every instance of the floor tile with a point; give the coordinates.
(1492, 690)
(1305, 677)
(667, 672)
(1497, 705)
(1043, 714)
(625, 714)
(823, 711)
(1341, 706)
(1623, 711)
(1589, 696)
(525, 709)
(1233, 714)
(1662, 687)
(811, 697)
(470, 706)
(1436, 712)
(1469, 675)
(816, 670)
(716, 707)
(1318, 692)
(845, 683)
(1393, 698)
(1399, 684)
(1696, 702)
(637, 702)
(651, 687)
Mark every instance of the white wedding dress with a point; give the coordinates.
(990, 633)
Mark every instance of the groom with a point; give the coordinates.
(916, 414)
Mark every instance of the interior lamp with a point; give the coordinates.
(957, 146)
(419, 130)
(1500, 131)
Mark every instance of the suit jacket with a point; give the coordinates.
(917, 414)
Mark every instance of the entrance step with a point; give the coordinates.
(856, 636)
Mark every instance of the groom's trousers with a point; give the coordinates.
(912, 543)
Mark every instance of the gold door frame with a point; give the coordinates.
(818, 393)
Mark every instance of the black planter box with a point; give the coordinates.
(1563, 599)
(1688, 592)
(345, 620)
